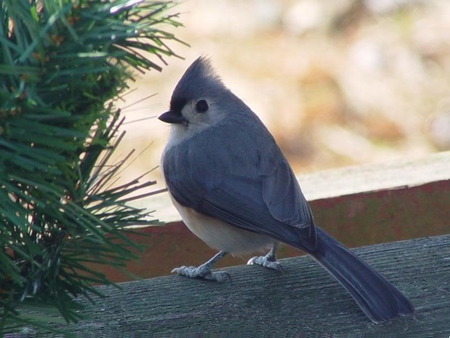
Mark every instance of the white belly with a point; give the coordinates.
(220, 235)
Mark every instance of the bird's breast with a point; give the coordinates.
(220, 235)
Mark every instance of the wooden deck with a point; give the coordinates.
(304, 301)
(397, 205)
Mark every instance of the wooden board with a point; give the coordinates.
(304, 301)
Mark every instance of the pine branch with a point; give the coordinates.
(63, 64)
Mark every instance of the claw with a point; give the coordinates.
(219, 276)
(267, 263)
(203, 272)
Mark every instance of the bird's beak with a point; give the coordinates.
(173, 117)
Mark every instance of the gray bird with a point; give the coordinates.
(235, 190)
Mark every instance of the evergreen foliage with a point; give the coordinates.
(63, 64)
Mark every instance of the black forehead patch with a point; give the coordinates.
(177, 104)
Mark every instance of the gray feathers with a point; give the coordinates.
(234, 171)
(199, 81)
(223, 163)
(251, 187)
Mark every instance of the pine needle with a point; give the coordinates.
(63, 65)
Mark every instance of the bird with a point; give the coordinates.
(235, 190)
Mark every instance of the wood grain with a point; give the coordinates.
(304, 301)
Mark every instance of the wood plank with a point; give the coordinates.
(304, 301)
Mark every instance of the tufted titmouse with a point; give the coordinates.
(236, 191)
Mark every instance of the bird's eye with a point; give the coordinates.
(202, 106)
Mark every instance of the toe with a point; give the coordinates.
(255, 261)
(176, 270)
(263, 261)
(219, 276)
(203, 272)
(274, 266)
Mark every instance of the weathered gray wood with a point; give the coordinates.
(302, 302)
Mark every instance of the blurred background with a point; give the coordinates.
(338, 82)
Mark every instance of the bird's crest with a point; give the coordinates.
(199, 80)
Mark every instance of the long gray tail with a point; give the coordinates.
(375, 295)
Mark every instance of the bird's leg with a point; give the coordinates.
(267, 261)
(204, 270)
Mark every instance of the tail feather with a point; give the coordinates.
(374, 294)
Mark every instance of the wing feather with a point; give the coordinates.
(254, 191)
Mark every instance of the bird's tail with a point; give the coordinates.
(375, 295)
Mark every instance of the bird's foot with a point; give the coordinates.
(267, 262)
(203, 272)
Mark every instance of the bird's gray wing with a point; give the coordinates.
(251, 189)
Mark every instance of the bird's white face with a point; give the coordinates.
(199, 114)
(199, 101)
